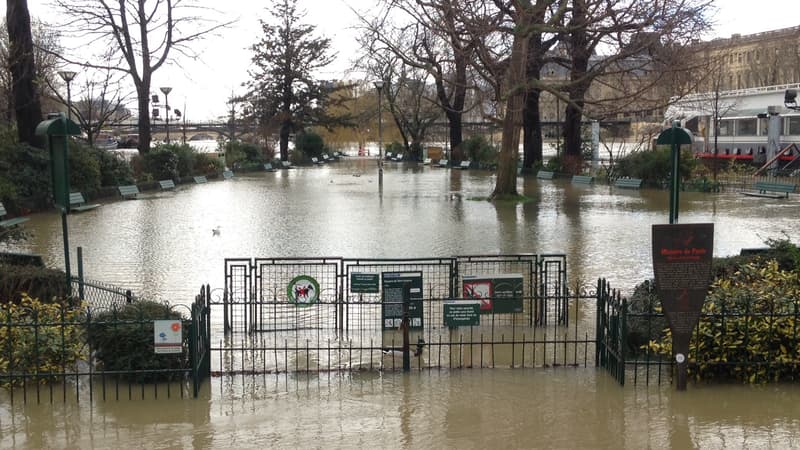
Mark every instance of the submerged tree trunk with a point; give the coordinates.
(27, 109)
(532, 130)
(506, 184)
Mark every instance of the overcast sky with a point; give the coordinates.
(204, 85)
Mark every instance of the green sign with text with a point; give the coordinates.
(462, 313)
(364, 283)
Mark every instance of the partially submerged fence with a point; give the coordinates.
(105, 346)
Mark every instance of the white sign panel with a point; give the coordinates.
(167, 336)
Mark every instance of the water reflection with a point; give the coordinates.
(162, 245)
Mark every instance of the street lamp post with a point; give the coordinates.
(166, 91)
(68, 76)
(379, 87)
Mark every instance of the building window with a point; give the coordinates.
(726, 128)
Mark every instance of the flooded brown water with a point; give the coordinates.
(162, 247)
(489, 408)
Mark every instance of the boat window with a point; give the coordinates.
(726, 128)
(762, 127)
(746, 127)
(793, 125)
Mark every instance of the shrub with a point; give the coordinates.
(114, 170)
(748, 332)
(38, 282)
(478, 149)
(46, 338)
(161, 164)
(84, 168)
(123, 341)
(654, 167)
(308, 145)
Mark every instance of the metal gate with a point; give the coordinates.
(267, 328)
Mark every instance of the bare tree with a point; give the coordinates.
(427, 35)
(143, 34)
(621, 30)
(28, 110)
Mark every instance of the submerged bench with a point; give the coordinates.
(128, 191)
(8, 223)
(545, 175)
(227, 175)
(464, 165)
(78, 204)
(628, 183)
(426, 162)
(286, 165)
(166, 184)
(268, 167)
(764, 188)
(201, 179)
(582, 179)
(443, 162)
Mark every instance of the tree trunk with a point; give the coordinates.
(284, 140)
(506, 183)
(573, 157)
(456, 134)
(143, 94)
(27, 108)
(532, 129)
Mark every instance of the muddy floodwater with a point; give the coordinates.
(162, 246)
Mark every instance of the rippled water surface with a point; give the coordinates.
(162, 246)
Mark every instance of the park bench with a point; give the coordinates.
(443, 162)
(78, 204)
(227, 175)
(316, 160)
(268, 167)
(389, 156)
(201, 179)
(545, 175)
(166, 185)
(464, 165)
(764, 188)
(286, 165)
(426, 162)
(398, 157)
(628, 183)
(329, 158)
(582, 179)
(9, 223)
(128, 191)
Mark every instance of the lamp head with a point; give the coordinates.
(166, 90)
(67, 75)
(790, 99)
(378, 84)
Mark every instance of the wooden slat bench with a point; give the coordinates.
(764, 188)
(227, 175)
(426, 162)
(166, 185)
(286, 165)
(201, 179)
(582, 179)
(628, 183)
(77, 203)
(464, 165)
(129, 191)
(268, 167)
(443, 163)
(9, 223)
(545, 175)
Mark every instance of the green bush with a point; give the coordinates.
(37, 282)
(123, 341)
(477, 149)
(114, 171)
(308, 145)
(240, 154)
(654, 167)
(748, 332)
(45, 338)
(84, 168)
(161, 163)
(206, 164)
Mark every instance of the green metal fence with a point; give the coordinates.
(103, 348)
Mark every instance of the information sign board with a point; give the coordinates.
(498, 294)
(399, 287)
